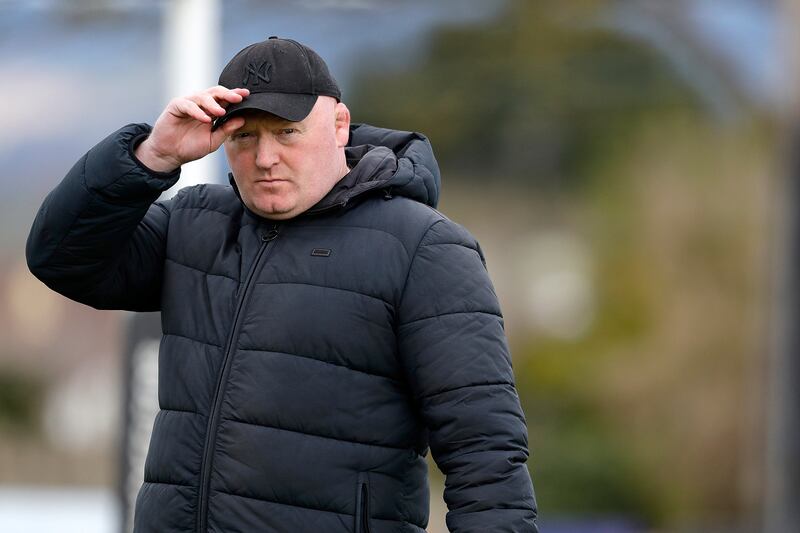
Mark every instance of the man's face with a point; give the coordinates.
(283, 168)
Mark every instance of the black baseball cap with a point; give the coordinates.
(284, 78)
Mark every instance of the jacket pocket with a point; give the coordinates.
(362, 504)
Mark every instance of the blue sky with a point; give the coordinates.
(747, 32)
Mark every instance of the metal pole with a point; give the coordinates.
(192, 35)
(782, 486)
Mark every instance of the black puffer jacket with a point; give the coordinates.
(306, 365)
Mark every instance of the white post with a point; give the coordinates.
(192, 31)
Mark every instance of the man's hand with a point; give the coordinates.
(183, 131)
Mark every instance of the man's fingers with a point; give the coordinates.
(208, 104)
(220, 91)
(187, 108)
(223, 95)
(233, 97)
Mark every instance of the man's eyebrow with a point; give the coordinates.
(290, 124)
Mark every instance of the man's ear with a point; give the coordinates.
(342, 124)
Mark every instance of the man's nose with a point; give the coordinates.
(268, 153)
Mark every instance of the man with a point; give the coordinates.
(323, 324)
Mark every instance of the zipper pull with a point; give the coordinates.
(271, 234)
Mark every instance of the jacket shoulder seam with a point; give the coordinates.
(411, 263)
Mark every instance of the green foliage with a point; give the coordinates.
(581, 469)
(20, 401)
(540, 95)
(580, 465)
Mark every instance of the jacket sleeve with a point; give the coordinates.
(453, 347)
(99, 238)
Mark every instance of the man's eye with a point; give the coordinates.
(287, 131)
(241, 135)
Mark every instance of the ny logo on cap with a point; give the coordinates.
(261, 72)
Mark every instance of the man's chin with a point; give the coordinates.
(275, 212)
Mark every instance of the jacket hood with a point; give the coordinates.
(416, 174)
(398, 162)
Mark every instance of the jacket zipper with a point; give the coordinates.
(213, 417)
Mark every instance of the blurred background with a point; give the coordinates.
(628, 167)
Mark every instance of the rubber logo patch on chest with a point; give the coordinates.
(321, 252)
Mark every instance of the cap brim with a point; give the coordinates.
(292, 107)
